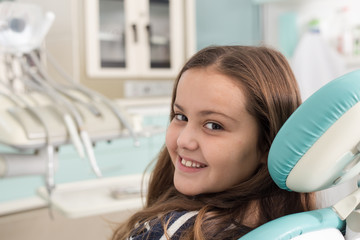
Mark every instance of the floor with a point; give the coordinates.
(37, 224)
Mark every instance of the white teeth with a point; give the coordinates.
(190, 164)
(183, 162)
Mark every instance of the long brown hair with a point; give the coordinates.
(272, 96)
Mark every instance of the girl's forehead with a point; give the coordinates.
(209, 72)
(208, 78)
(208, 88)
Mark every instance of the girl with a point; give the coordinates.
(211, 179)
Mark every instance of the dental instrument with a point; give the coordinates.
(37, 79)
(92, 95)
(47, 79)
(50, 168)
(21, 99)
(40, 114)
(96, 97)
(19, 28)
(83, 133)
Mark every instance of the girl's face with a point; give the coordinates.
(212, 140)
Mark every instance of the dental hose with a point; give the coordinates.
(96, 95)
(83, 134)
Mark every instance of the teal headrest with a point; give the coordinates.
(317, 147)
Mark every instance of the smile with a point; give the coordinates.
(191, 164)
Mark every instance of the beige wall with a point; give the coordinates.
(37, 225)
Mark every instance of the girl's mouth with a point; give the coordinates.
(191, 164)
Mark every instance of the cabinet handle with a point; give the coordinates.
(148, 30)
(134, 28)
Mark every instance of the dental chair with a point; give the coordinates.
(318, 148)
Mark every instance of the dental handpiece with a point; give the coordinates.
(96, 96)
(83, 134)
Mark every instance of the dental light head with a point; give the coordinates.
(13, 24)
(17, 24)
(23, 27)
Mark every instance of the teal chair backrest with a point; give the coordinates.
(317, 148)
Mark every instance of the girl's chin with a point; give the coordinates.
(186, 192)
(186, 189)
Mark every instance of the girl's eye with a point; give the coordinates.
(181, 117)
(213, 126)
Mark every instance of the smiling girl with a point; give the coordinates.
(211, 179)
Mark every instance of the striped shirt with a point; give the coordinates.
(178, 222)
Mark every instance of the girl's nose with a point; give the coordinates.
(187, 138)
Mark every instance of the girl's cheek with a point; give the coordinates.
(171, 138)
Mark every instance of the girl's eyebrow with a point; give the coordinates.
(210, 112)
(178, 106)
(207, 112)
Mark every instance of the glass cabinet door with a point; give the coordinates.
(159, 34)
(135, 39)
(112, 34)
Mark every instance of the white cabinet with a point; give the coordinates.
(138, 39)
